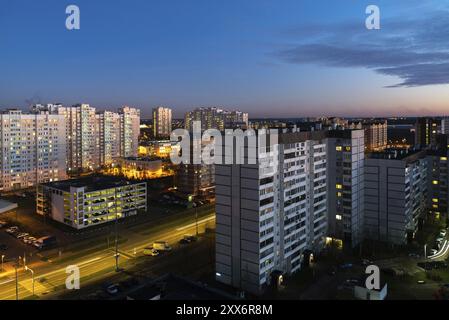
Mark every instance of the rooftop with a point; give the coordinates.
(91, 183)
(398, 154)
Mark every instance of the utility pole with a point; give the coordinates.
(196, 218)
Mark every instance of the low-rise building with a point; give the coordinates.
(84, 202)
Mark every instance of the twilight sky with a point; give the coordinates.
(271, 58)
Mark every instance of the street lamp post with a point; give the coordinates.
(425, 251)
(117, 269)
(32, 275)
(3, 258)
(17, 280)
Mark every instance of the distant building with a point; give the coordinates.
(216, 118)
(160, 148)
(82, 140)
(96, 139)
(345, 163)
(376, 134)
(162, 118)
(426, 131)
(438, 181)
(270, 218)
(85, 202)
(396, 183)
(33, 149)
(108, 130)
(129, 131)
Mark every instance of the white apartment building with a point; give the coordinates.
(33, 149)
(396, 194)
(129, 131)
(85, 202)
(108, 128)
(270, 217)
(345, 161)
(96, 138)
(162, 118)
(82, 137)
(216, 118)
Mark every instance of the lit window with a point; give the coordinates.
(443, 158)
(434, 200)
(338, 148)
(339, 186)
(338, 217)
(348, 148)
(435, 181)
(339, 194)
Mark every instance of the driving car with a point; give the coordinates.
(150, 252)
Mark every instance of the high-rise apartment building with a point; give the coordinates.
(376, 134)
(438, 177)
(269, 217)
(82, 137)
(33, 149)
(216, 118)
(346, 156)
(108, 129)
(162, 118)
(96, 138)
(426, 131)
(129, 131)
(396, 194)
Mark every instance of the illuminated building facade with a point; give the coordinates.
(162, 118)
(216, 118)
(346, 156)
(270, 217)
(33, 149)
(85, 202)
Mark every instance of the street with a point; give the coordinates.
(50, 274)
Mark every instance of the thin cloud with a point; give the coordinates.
(416, 50)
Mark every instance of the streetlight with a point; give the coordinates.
(425, 251)
(3, 258)
(32, 275)
(196, 212)
(117, 255)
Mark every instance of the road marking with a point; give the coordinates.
(194, 223)
(7, 281)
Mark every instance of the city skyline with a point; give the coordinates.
(301, 58)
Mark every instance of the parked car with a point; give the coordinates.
(367, 262)
(12, 229)
(22, 235)
(187, 239)
(111, 288)
(45, 242)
